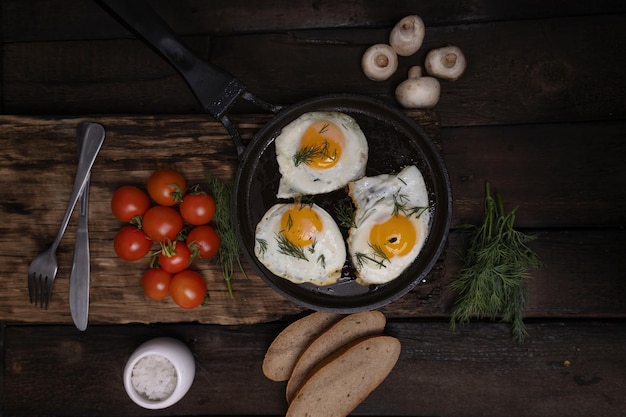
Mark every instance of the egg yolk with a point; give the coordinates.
(320, 145)
(394, 237)
(300, 225)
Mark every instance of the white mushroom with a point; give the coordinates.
(447, 63)
(407, 35)
(379, 62)
(418, 92)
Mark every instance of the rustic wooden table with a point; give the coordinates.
(540, 114)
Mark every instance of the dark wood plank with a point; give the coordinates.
(516, 82)
(582, 274)
(562, 175)
(582, 277)
(567, 79)
(564, 368)
(45, 20)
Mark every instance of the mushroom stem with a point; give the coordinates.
(407, 35)
(379, 62)
(415, 72)
(408, 26)
(449, 60)
(447, 63)
(382, 61)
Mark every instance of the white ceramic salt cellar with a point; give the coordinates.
(167, 365)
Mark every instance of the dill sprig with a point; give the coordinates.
(378, 257)
(262, 245)
(224, 225)
(286, 247)
(307, 154)
(312, 246)
(322, 260)
(495, 264)
(345, 215)
(400, 205)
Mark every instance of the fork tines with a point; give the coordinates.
(38, 290)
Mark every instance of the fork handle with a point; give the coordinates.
(93, 135)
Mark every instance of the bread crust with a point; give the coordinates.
(287, 347)
(342, 381)
(348, 329)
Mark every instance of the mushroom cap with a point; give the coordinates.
(379, 62)
(447, 63)
(407, 35)
(418, 93)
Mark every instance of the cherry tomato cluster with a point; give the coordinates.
(178, 222)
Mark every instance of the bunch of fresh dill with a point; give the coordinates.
(229, 252)
(495, 263)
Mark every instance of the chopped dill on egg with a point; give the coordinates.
(379, 252)
(262, 245)
(324, 128)
(378, 257)
(286, 247)
(312, 248)
(400, 205)
(289, 222)
(345, 215)
(307, 154)
(306, 201)
(322, 260)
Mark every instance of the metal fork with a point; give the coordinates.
(43, 269)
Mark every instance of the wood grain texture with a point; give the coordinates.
(567, 79)
(539, 113)
(38, 163)
(37, 20)
(565, 368)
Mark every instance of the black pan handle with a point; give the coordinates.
(215, 89)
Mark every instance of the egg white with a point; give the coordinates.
(324, 260)
(375, 199)
(302, 180)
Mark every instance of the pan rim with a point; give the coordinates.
(314, 298)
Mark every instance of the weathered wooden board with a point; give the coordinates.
(584, 268)
(564, 368)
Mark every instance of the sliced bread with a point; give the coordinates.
(343, 332)
(287, 347)
(342, 381)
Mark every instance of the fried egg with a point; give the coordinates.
(319, 152)
(391, 224)
(301, 243)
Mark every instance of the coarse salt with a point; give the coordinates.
(154, 377)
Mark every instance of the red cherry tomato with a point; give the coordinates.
(175, 257)
(162, 223)
(128, 202)
(166, 187)
(188, 289)
(131, 244)
(197, 208)
(156, 283)
(205, 240)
